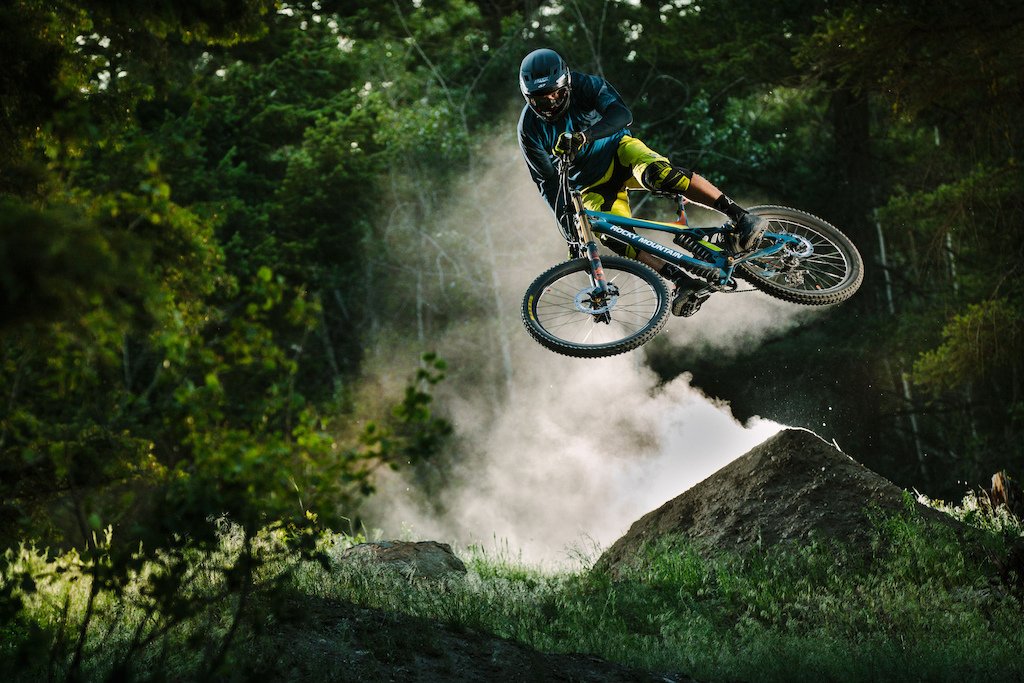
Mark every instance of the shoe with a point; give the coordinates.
(689, 306)
(686, 295)
(750, 228)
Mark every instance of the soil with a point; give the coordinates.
(790, 489)
(332, 641)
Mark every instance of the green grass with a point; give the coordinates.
(921, 605)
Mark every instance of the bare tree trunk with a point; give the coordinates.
(421, 334)
(883, 259)
(915, 431)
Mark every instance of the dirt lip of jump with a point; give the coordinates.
(790, 488)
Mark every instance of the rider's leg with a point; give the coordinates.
(751, 226)
(611, 195)
(685, 300)
(655, 172)
(608, 198)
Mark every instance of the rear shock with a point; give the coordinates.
(701, 249)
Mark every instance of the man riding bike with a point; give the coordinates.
(606, 161)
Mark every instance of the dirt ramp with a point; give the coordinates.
(786, 489)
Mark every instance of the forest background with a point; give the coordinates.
(232, 232)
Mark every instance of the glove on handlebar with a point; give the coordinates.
(569, 145)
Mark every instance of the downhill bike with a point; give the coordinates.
(597, 305)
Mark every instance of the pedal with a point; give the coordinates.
(690, 306)
(693, 305)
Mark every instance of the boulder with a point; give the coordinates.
(423, 559)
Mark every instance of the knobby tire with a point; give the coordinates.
(828, 276)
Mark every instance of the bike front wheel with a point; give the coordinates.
(561, 312)
(820, 266)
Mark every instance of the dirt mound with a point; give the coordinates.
(786, 489)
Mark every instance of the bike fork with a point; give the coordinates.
(596, 270)
(590, 248)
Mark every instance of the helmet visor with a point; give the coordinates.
(550, 102)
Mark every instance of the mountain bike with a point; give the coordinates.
(596, 305)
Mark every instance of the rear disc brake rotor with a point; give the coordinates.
(802, 249)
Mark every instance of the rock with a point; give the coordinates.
(788, 489)
(423, 560)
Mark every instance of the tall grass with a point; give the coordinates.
(920, 604)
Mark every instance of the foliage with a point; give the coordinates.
(209, 209)
(904, 49)
(985, 339)
(183, 569)
(976, 510)
(922, 605)
(902, 126)
(164, 336)
(776, 613)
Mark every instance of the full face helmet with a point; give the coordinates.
(545, 82)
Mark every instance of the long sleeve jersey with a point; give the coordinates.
(597, 110)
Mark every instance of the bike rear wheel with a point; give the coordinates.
(825, 268)
(561, 314)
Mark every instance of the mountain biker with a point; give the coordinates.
(606, 161)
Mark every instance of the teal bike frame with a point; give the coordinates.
(714, 262)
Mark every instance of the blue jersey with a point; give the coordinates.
(594, 108)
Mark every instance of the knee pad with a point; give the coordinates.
(661, 176)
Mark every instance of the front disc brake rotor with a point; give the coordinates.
(585, 302)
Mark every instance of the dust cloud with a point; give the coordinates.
(589, 447)
(554, 453)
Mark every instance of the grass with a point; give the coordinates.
(921, 605)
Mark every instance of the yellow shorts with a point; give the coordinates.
(610, 193)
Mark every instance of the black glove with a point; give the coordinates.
(568, 145)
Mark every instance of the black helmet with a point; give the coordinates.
(542, 74)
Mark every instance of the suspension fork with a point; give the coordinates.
(590, 247)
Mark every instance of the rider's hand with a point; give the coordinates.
(569, 145)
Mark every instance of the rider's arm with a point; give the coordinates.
(613, 119)
(542, 170)
(598, 94)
